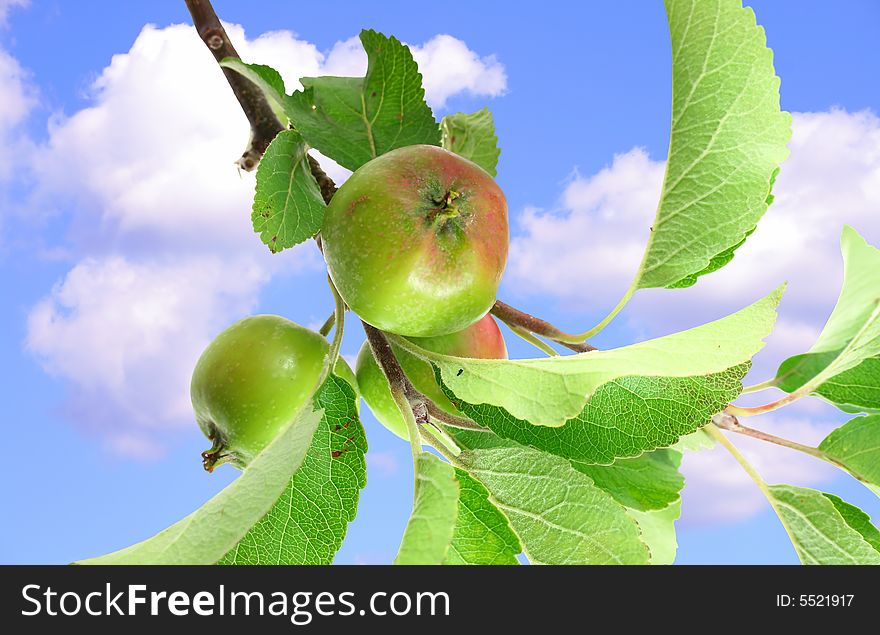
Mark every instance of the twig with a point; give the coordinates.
(328, 324)
(264, 124)
(764, 385)
(727, 421)
(336, 343)
(533, 339)
(387, 361)
(751, 411)
(413, 410)
(325, 183)
(441, 447)
(512, 316)
(716, 433)
(451, 420)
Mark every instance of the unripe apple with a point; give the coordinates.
(252, 380)
(481, 340)
(416, 241)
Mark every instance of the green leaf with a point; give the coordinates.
(473, 137)
(559, 514)
(727, 140)
(482, 533)
(848, 349)
(266, 79)
(856, 445)
(855, 390)
(353, 120)
(714, 265)
(288, 206)
(823, 528)
(206, 535)
(623, 418)
(658, 531)
(429, 532)
(649, 482)
(551, 390)
(695, 442)
(857, 519)
(308, 522)
(650, 488)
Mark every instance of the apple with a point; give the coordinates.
(416, 241)
(481, 340)
(252, 380)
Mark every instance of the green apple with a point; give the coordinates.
(252, 380)
(481, 340)
(416, 241)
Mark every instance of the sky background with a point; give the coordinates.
(125, 239)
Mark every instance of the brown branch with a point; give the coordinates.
(451, 420)
(328, 187)
(264, 124)
(729, 422)
(512, 316)
(397, 379)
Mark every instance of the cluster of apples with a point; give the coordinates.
(415, 242)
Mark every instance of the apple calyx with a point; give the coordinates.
(445, 207)
(218, 453)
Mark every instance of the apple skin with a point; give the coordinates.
(416, 241)
(480, 340)
(253, 379)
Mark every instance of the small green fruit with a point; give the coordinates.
(416, 241)
(252, 380)
(481, 340)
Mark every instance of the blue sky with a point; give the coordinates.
(124, 241)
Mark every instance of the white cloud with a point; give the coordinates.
(589, 249)
(128, 334)
(153, 158)
(447, 65)
(717, 489)
(127, 445)
(17, 98)
(7, 5)
(155, 154)
(386, 464)
(160, 219)
(450, 67)
(593, 244)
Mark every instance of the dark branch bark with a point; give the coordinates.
(328, 187)
(451, 420)
(397, 379)
(264, 124)
(423, 408)
(511, 315)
